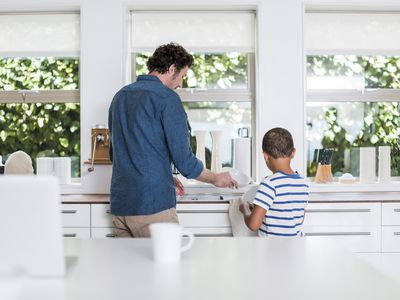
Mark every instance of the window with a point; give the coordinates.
(39, 85)
(353, 87)
(218, 91)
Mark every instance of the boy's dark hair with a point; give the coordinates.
(167, 55)
(278, 142)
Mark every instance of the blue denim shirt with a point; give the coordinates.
(148, 129)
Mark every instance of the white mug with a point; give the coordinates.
(167, 241)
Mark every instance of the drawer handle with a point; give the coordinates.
(396, 210)
(337, 210)
(111, 235)
(69, 235)
(201, 211)
(396, 233)
(213, 234)
(336, 233)
(69, 211)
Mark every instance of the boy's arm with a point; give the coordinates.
(253, 218)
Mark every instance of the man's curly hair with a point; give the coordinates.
(167, 55)
(278, 142)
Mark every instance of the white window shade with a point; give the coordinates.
(352, 33)
(47, 34)
(196, 31)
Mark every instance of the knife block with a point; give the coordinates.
(324, 174)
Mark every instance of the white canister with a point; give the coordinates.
(367, 165)
(216, 163)
(384, 164)
(44, 166)
(200, 145)
(62, 169)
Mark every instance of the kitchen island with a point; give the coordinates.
(214, 268)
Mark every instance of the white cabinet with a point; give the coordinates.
(76, 220)
(102, 226)
(390, 227)
(101, 216)
(76, 215)
(76, 232)
(356, 225)
(359, 226)
(208, 219)
(86, 221)
(102, 233)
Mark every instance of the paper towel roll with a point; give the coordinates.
(367, 165)
(242, 155)
(44, 166)
(384, 164)
(62, 168)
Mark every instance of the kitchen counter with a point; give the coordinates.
(215, 268)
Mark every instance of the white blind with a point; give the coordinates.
(46, 34)
(196, 31)
(352, 33)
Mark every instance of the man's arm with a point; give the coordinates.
(223, 179)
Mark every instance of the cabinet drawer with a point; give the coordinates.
(390, 238)
(204, 219)
(102, 233)
(390, 213)
(101, 216)
(343, 214)
(210, 232)
(202, 207)
(76, 215)
(76, 232)
(354, 238)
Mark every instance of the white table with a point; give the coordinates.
(215, 268)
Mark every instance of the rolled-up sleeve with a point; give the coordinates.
(174, 120)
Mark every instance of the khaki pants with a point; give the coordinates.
(138, 226)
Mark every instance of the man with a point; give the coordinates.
(148, 129)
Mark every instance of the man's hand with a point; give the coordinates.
(179, 189)
(224, 179)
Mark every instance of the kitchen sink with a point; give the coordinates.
(206, 198)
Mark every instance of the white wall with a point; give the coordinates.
(279, 63)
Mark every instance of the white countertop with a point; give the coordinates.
(215, 268)
(355, 187)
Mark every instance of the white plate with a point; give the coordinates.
(241, 178)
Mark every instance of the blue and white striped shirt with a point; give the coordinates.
(284, 197)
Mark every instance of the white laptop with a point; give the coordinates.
(30, 224)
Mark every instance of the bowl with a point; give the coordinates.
(241, 178)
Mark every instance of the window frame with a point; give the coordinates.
(216, 94)
(39, 96)
(351, 95)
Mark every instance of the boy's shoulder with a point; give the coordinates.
(280, 177)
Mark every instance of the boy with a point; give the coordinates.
(278, 207)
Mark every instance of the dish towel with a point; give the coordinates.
(239, 227)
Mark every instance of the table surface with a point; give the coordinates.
(214, 268)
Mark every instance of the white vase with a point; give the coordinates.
(367, 165)
(384, 164)
(200, 145)
(216, 164)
